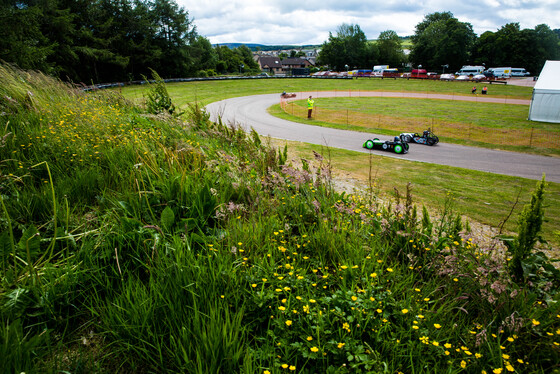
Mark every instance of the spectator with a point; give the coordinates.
(484, 90)
(473, 90)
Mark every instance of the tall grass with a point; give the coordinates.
(141, 243)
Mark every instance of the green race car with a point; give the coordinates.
(395, 145)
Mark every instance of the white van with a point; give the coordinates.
(500, 72)
(470, 70)
(519, 72)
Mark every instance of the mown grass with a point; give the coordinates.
(206, 92)
(141, 243)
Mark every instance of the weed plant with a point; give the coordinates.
(132, 242)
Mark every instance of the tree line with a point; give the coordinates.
(441, 42)
(94, 41)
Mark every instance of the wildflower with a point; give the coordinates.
(312, 301)
(284, 366)
(306, 308)
(288, 323)
(253, 285)
(447, 353)
(497, 371)
(389, 270)
(340, 345)
(379, 311)
(447, 345)
(437, 325)
(266, 372)
(505, 357)
(477, 355)
(436, 344)
(309, 338)
(510, 368)
(404, 311)
(354, 298)
(314, 349)
(373, 275)
(282, 308)
(535, 322)
(292, 368)
(463, 364)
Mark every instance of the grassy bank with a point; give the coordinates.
(135, 242)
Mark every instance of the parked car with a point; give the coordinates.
(463, 78)
(427, 137)
(395, 145)
(447, 77)
(479, 77)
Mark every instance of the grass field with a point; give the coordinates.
(138, 242)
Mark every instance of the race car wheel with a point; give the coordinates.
(407, 139)
(385, 145)
(398, 148)
(369, 144)
(430, 141)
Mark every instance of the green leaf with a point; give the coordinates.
(30, 238)
(167, 218)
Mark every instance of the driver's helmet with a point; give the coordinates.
(397, 139)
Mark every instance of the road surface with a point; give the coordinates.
(251, 112)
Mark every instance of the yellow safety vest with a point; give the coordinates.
(310, 104)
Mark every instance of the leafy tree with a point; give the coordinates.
(512, 46)
(390, 49)
(204, 56)
(440, 39)
(349, 47)
(21, 39)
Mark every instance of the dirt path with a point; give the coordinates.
(251, 112)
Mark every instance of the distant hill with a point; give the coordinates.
(264, 47)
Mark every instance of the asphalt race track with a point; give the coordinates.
(251, 112)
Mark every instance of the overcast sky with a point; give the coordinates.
(300, 22)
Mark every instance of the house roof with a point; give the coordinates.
(270, 62)
(296, 61)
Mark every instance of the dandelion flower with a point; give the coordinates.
(389, 270)
(288, 323)
(354, 298)
(292, 368)
(284, 366)
(309, 338)
(404, 311)
(437, 325)
(314, 349)
(266, 372)
(497, 371)
(510, 368)
(463, 364)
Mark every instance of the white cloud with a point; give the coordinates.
(309, 22)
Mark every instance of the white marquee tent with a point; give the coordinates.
(545, 105)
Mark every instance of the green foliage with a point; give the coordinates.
(440, 39)
(349, 47)
(158, 99)
(523, 263)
